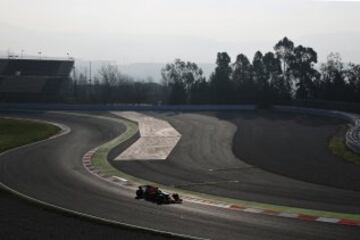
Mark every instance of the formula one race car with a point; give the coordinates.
(154, 194)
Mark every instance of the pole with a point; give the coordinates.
(90, 71)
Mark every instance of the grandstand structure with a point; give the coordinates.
(33, 80)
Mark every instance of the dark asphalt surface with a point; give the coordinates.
(22, 220)
(301, 150)
(292, 145)
(52, 171)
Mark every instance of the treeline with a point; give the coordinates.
(278, 77)
(287, 73)
(110, 86)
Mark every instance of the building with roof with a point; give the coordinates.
(33, 80)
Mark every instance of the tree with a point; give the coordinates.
(180, 77)
(333, 85)
(110, 74)
(352, 76)
(200, 92)
(260, 77)
(242, 77)
(114, 84)
(275, 77)
(284, 51)
(279, 89)
(303, 71)
(220, 82)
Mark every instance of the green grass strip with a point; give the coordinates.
(99, 159)
(16, 132)
(338, 146)
(101, 163)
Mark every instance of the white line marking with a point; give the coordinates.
(328, 220)
(119, 179)
(253, 210)
(288, 215)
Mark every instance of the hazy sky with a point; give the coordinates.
(160, 30)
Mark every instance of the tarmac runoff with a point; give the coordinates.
(130, 129)
(64, 130)
(115, 176)
(301, 228)
(157, 138)
(243, 206)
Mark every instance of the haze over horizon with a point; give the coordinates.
(158, 31)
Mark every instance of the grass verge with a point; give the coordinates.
(99, 159)
(338, 146)
(14, 132)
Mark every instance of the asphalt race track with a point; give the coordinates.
(52, 171)
(293, 145)
(299, 145)
(24, 220)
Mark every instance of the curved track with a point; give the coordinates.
(204, 161)
(52, 171)
(294, 145)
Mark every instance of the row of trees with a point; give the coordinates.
(274, 77)
(111, 86)
(289, 72)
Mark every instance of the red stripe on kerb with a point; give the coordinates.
(349, 222)
(307, 217)
(270, 212)
(237, 207)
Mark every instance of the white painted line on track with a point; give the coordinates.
(253, 210)
(288, 215)
(120, 179)
(328, 220)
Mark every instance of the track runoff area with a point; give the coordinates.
(157, 140)
(48, 173)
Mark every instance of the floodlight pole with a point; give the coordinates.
(90, 72)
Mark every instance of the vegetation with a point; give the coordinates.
(14, 133)
(287, 73)
(338, 147)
